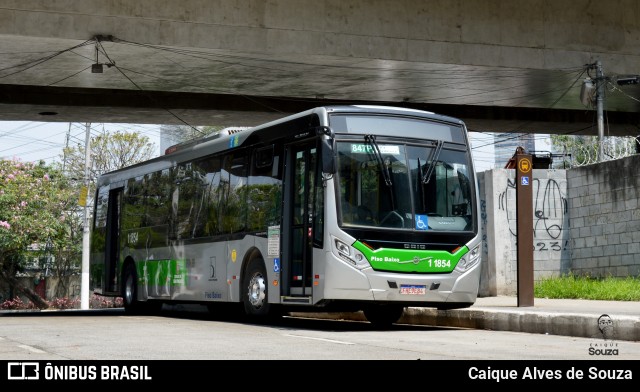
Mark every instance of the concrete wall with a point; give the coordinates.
(605, 218)
(546, 34)
(586, 221)
(552, 244)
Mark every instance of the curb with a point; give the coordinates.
(564, 324)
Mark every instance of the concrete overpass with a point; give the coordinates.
(501, 65)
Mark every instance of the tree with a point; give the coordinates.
(34, 201)
(68, 258)
(110, 151)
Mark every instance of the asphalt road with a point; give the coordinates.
(196, 335)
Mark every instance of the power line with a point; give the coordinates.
(42, 144)
(30, 64)
(98, 43)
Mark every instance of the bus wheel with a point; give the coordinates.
(255, 289)
(130, 289)
(383, 315)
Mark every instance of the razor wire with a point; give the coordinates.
(614, 147)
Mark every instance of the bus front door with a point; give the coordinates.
(297, 221)
(112, 246)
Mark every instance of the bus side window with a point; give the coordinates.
(263, 195)
(199, 202)
(208, 215)
(234, 198)
(185, 199)
(158, 198)
(134, 214)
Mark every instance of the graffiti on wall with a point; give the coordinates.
(550, 212)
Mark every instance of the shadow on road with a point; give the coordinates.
(226, 313)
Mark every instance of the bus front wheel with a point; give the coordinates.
(255, 289)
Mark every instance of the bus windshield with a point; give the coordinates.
(404, 186)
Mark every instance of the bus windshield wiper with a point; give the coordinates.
(419, 188)
(371, 139)
(433, 158)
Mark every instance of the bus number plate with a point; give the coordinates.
(413, 289)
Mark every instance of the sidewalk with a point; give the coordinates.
(568, 317)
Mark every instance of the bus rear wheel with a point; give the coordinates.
(130, 290)
(383, 315)
(130, 294)
(255, 290)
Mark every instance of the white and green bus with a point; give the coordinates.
(339, 208)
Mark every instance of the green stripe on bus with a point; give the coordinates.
(162, 272)
(411, 260)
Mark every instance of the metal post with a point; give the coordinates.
(84, 287)
(600, 109)
(524, 237)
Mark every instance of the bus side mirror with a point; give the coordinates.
(328, 156)
(328, 150)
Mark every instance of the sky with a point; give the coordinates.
(34, 141)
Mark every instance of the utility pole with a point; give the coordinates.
(66, 146)
(84, 286)
(600, 109)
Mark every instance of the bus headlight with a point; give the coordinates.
(349, 254)
(469, 260)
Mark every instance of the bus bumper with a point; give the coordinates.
(348, 283)
(427, 288)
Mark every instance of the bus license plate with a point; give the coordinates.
(413, 289)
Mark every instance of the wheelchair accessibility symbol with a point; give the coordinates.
(276, 265)
(421, 222)
(524, 180)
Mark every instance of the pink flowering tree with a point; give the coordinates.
(35, 201)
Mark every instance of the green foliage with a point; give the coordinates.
(34, 203)
(37, 210)
(583, 287)
(110, 151)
